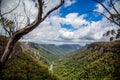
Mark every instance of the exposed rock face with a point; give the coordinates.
(105, 46)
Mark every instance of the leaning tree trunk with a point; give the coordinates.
(19, 33)
(8, 49)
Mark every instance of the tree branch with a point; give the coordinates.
(12, 9)
(62, 1)
(103, 7)
(111, 2)
(112, 20)
(28, 19)
(38, 20)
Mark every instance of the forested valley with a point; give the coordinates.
(59, 40)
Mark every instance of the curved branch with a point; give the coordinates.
(62, 1)
(12, 9)
(0, 7)
(28, 19)
(103, 7)
(114, 7)
(111, 2)
(105, 17)
(38, 20)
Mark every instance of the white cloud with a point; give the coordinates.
(66, 34)
(75, 20)
(72, 19)
(69, 2)
(99, 8)
(51, 31)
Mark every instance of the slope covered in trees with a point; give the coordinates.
(23, 66)
(99, 61)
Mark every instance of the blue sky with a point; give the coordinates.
(81, 7)
(70, 24)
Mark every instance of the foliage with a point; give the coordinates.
(7, 22)
(91, 64)
(23, 65)
(26, 67)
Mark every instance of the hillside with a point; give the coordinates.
(54, 49)
(98, 61)
(51, 48)
(45, 52)
(70, 47)
(23, 65)
(26, 67)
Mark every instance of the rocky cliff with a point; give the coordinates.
(113, 46)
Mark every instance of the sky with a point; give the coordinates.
(72, 23)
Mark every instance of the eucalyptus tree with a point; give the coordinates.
(16, 33)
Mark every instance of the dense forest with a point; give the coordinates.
(99, 61)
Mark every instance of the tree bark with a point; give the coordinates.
(8, 49)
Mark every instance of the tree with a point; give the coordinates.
(114, 17)
(16, 35)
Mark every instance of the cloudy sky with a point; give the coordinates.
(70, 24)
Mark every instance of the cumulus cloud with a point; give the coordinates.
(99, 8)
(52, 30)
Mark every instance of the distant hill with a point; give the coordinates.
(50, 48)
(45, 52)
(54, 49)
(98, 61)
(52, 52)
(71, 47)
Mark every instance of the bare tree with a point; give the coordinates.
(28, 28)
(114, 17)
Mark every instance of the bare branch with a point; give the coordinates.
(103, 7)
(12, 9)
(0, 7)
(111, 2)
(38, 20)
(112, 20)
(62, 1)
(28, 19)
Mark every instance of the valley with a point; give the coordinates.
(95, 61)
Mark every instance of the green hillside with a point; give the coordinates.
(99, 61)
(42, 55)
(49, 52)
(26, 67)
(23, 65)
(53, 49)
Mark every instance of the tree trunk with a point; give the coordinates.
(19, 33)
(8, 50)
